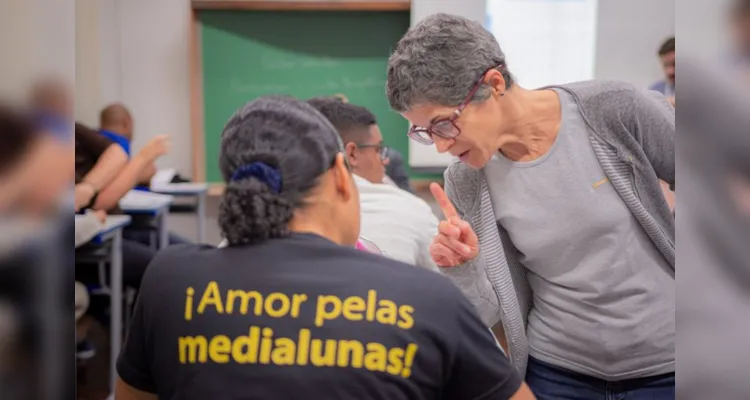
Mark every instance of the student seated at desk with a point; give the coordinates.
(281, 312)
(398, 222)
(116, 124)
(90, 150)
(395, 171)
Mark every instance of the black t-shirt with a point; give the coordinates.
(304, 318)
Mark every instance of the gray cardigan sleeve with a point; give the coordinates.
(471, 277)
(652, 119)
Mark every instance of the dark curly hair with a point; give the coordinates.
(288, 136)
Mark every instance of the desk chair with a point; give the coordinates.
(99, 254)
(146, 223)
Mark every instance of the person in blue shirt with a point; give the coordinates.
(116, 123)
(666, 53)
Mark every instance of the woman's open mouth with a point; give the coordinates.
(463, 156)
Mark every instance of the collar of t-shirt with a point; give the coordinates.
(117, 138)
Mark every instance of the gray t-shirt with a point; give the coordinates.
(603, 295)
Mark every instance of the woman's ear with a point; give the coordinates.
(342, 177)
(496, 81)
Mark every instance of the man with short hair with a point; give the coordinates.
(666, 54)
(116, 123)
(395, 171)
(399, 223)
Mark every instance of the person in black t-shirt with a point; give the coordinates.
(289, 309)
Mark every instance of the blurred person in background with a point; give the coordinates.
(560, 185)
(396, 171)
(52, 105)
(94, 146)
(97, 163)
(714, 207)
(36, 291)
(399, 223)
(91, 147)
(740, 30)
(116, 124)
(666, 55)
(666, 87)
(35, 168)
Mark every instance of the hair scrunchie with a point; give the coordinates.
(261, 171)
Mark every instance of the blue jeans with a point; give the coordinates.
(553, 383)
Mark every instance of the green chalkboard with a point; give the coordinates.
(246, 54)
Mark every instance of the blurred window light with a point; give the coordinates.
(545, 41)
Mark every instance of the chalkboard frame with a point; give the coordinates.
(195, 62)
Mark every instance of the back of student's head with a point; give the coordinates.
(282, 160)
(362, 138)
(351, 121)
(116, 118)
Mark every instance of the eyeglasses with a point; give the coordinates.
(382, 150)
(446, 127)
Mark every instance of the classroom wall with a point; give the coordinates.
(143, 56)
(142, 59)
(629, 34)
(136, 52)
(87, 90)
(712, 42)
(37, 37)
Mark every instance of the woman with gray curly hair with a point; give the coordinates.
(555, 225)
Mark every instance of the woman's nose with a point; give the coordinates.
(441, 144)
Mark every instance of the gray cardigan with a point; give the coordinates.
(632, 134)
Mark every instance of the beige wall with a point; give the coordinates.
(136, 52)
(36, 38)
(14, 47)
(88, 88)
(142, 60)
